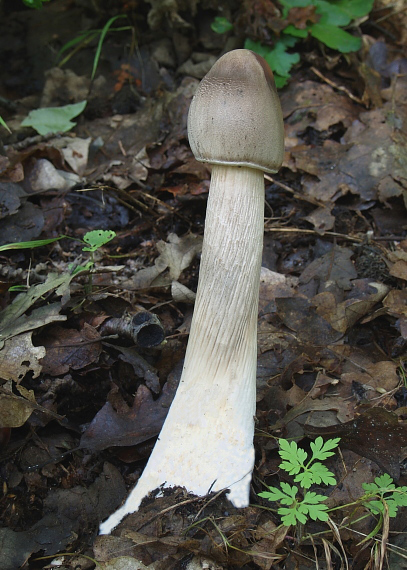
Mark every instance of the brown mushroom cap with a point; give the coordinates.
(235, 116)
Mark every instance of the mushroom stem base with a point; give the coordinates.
(206, 443)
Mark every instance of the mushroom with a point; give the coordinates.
(206, 443)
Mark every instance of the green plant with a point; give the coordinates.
(221, 25)
(4, 124)
(324, 20)
(92, 241)
(88, 36)
(58, 119)
(279, 59)
(307, 472)
(381, 498)
(35, 3)
(53, 119)
(381, 493)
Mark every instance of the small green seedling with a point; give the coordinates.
(97, 238)
(307, 471)
(92, 241)
(381, 498)
(382, 491)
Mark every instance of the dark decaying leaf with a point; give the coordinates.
(69, 349)
(140, 423)
(299, 315)
(67, 511)
(376, 434)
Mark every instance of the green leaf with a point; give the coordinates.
(375, 507)
(288, 40)
(29, 244)
(392, 507)
(321, 450)
(280, 61)
(34, 3)
(257, 47)
(321, 474)
(103, 33)
(289, 517)
(75, 270)
(318, 512)
(293, 31)
(4, 124)
(313, 506)
(355, 8)
(385, 481)
(332, 14)
(370, 487)
(97, 238)
(288, 490)
(274, 494)
(312, 498)
(400, 496)
(292, 453)
(335, 38)
(386, 490)
(305, 479)
(53, 119)
(295, 3)
(221, 25)
(280, 81)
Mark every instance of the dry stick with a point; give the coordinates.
(394, 13)
(335, 235)
(314, 232)
(126, 196)
(338, 87)
(312, 201)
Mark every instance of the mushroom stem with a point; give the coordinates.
(206, 443)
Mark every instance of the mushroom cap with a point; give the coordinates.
(235, 116)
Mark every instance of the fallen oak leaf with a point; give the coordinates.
(20, 356)
(15, 410)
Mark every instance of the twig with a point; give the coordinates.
(338, 87)
(312, 201)
(314, 232)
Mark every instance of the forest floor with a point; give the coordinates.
(92, 342)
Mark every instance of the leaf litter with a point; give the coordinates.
(332, 320)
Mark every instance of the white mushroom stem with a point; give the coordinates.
(206, 443)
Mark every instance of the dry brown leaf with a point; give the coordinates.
(69, 349)
(312, 104)
(140, 423)
(20, 356)
(342, 316)
(175, 255)
(15, 410)
(334, 267)
(381, 376)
